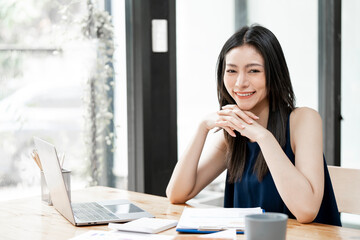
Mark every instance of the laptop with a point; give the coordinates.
(81, 214)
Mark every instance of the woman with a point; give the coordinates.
(272, 151)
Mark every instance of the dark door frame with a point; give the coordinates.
(152, 107)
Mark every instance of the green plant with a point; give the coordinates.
(97, 27)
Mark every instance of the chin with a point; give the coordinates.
(245, 107)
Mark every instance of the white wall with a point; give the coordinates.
(350, 84)
(295, 24)
(202, 28)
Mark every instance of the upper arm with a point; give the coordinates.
(306, 142)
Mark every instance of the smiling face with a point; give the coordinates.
(245, 79)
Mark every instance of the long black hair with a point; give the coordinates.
(279, 92)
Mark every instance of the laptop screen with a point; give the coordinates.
(54, 178)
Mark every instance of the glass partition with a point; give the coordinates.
(350, 87)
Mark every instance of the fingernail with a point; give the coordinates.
(251, 121)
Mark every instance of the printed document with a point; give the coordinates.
(214, 219)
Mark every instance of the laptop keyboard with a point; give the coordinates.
(91, 212)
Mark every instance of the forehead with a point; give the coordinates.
(244, 54)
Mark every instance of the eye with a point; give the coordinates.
(230, 71)
(254, 71)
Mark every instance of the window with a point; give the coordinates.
(120, 102)
(43, 69)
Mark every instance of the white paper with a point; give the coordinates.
(118, 235)
(215, 218)
(228, 234)
(145, 225)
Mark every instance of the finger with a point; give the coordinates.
(252, 115)
(229, 106)
(223, 125)
(231, 123)
(244, 116)
(235, 124)
(229, 131)
(236, 113)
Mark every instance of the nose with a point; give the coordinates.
(242, 81)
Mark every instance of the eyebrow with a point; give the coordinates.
(247, 65)
(254, 65)
(231, 65)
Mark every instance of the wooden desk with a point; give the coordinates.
(30, 219)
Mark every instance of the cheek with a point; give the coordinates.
(228, 85)
(260, 84)
(264, 92)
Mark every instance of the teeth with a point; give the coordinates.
(244, 95)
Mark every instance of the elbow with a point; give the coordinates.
(305, 219)
(175, 201)
(307, 211)
(173, 198)
(307, 215)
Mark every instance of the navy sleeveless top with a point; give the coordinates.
(249, 192)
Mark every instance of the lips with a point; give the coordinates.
(244, 94)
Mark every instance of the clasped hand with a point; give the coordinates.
(231, 118)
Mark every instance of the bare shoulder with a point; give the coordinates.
(305, 124)
(304, 116)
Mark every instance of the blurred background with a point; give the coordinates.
(46, 61)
